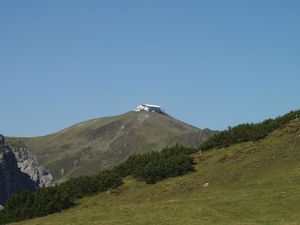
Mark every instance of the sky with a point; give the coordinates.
(211, 63)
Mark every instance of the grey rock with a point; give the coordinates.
(2, 140)
(19, 171)
(28, 163)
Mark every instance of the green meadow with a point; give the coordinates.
(252, 183)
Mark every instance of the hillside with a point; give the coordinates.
(88, 147)
(248, 183)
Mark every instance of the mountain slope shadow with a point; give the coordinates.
(12, 179)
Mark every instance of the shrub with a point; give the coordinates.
(247, 132)
(155, 166)
(48, 200)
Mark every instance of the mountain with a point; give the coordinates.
(254, 182)
(94, 145)
(19, 171)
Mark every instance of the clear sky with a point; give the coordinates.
(209, 63)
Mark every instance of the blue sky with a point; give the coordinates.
(209, 63)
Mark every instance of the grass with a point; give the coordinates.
(253, 183)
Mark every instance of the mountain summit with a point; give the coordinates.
(94, 145)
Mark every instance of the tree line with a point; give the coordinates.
(150, 167)
(247, 132)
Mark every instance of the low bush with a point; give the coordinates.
(247, 132)
(155, 166)
(44, 201)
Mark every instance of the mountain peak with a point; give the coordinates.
(101, 143)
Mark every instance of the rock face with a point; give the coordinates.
(19, 171)
(27, 162)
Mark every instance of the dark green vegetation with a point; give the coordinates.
(55, 199)
(155, 166)
(150, 167)
(249, 183)
(41, 202)
(99, 144)
(248, 132)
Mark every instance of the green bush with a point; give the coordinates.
(156, 170)
(48, 200)
(247, 132)
(41, 202)
(155, 166)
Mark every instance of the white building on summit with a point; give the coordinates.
(149, 108)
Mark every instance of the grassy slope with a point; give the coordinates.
(88, 147)
(249, 183)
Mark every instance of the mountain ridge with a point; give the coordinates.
(96, 144)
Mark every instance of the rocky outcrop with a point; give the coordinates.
(28, 163)
(19, 171)
(12, 180)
